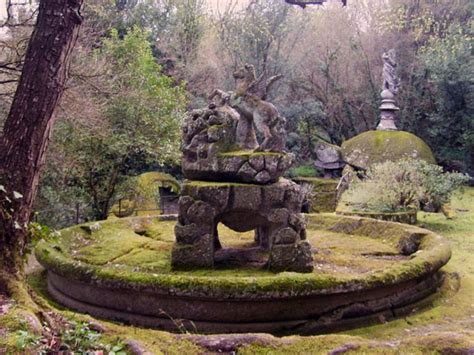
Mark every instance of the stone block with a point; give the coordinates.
(285, 236)
(201, 213)
(190, 233)
(199, 254)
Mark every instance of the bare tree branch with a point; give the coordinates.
(304, 3)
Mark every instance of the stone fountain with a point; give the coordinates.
(180, 272)
(236, 181)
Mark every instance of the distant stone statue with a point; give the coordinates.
(391, 82)
(390, 88)
(249, 101)
(329, 158)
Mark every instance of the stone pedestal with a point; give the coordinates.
(272, 210)
(239, 166)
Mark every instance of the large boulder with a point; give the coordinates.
(378, 146)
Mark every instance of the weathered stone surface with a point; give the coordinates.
(286, 236)
(213, 152)
(198, 254)
(190, 233)
(297, 221)
(407, 217)
(201, 213)
(263, 177)
(279, 215)
(257, 162)
(272, 210)
(291, 257)
(246, 197)
(329, 158)
(247, 172)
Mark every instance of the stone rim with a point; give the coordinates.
(432, 254)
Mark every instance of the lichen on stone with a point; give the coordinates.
(373, 147)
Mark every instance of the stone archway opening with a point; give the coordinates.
(237, 242)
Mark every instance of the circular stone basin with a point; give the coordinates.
(364, 270)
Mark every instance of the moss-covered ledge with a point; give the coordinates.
(324, 194)
(428, 252)
(364, 269)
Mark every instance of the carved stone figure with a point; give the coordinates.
(240, 182)
(212, 151)
(391, 82)
(329, 158)
(390, 88)
(249, 100)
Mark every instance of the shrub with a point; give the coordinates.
(402, 185)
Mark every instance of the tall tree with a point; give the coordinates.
(28, 126)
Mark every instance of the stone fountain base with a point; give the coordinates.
(121, 270)
(273, 211)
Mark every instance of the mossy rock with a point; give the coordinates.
(379, 146)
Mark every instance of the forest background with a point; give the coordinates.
(139, 65)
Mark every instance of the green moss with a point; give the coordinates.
(379, 146)
(119, 256)
(319, 184)
(159, 179)
(445, 326)
(195, 183)
(303, 171)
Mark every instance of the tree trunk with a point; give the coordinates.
(28, 126)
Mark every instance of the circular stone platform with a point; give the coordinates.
(364, 271)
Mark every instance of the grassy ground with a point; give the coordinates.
(444, 326)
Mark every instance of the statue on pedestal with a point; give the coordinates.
(390, 88)
(237, 181)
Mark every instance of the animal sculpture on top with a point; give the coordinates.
(249, 99)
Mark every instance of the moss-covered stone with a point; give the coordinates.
(443, 326)
(350, 253)
(407, 217)
(378, 146)
(324, 195)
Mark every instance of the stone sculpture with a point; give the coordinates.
(236, 181)
(391, 85)
(390, 80)
(249, 101)
(220, 142)
(329, 158)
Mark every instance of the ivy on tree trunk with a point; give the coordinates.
(28, 126)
